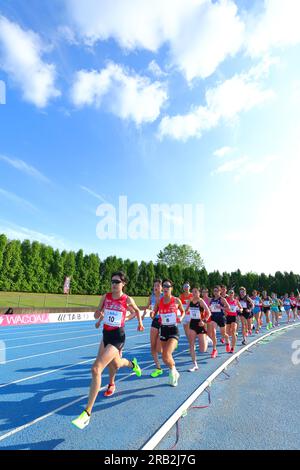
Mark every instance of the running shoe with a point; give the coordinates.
(193, 369)
(157, 373)
(111, 388)
(136, 368)
(173, 378)
(270, 325)
(222, 340)
(228, 348)
(214, 353)
(232, 350)
(244, 342)
(257, 332)
(82, 421)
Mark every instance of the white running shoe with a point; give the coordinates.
(82, 421)
(173, 378)
(193, 369)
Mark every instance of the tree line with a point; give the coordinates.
(34, 267)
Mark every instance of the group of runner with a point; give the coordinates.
(201, 316)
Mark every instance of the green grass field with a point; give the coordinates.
(21, 299)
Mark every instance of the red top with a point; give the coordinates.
(168, 312)
(233, 307)
(184, 299)
(114, 312)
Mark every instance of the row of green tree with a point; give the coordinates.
(33, 267)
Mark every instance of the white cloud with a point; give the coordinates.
(223, 151)
(128, 96)
(200, 34)
(231, 166)
(206, 36)
(224, 102)
(277, 26)
(156, 70)
(17, 200)
(245, 166)
(25, 168)
(21, 58)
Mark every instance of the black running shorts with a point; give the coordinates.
(155, 323)
(169, 332)
(219, 319)
(114, 337)
(194, 325)
(231, 319)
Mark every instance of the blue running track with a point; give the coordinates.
(45, 380)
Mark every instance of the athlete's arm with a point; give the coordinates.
(181, 309)
(146, 308)
(251, 302)
(136, 312)
(225, 303)
(187, 309)
(155, 310)
(206, 308)
(99, 311)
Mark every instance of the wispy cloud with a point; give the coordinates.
(224, 103)
(24, 168)
(94, 194)
(18, 232)
(245, 166)
(222, 152)
(231, 165)
(17, 200)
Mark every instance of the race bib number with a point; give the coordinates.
(195, 313)
(113, 318)
(169, 318)
(266, 303)
(243, 304)
(233, 308)
(215, 308)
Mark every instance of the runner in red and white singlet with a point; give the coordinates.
(112, 310)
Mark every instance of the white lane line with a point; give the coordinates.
(153, 442)
(51, 413)
(86, 325)
(50, 342)
(43, 336)
(45, 327)
(59, 350)
(52, 371)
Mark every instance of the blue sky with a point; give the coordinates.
(193, 102)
